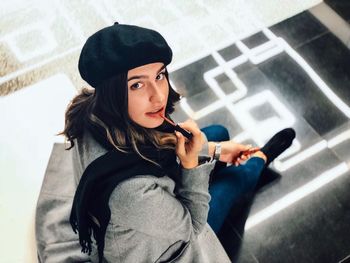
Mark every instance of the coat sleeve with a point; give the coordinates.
(146, 206)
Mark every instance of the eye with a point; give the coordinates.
(136, 85)
(161, 76)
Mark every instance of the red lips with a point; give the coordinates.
(156, 111)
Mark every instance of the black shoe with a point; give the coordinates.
(278, 144)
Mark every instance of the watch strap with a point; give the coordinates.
(217, 152)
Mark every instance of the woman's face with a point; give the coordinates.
(148, 91)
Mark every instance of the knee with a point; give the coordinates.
(221, 133)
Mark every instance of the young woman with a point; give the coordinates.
(145, 192)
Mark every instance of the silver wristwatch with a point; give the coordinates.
(217, 152)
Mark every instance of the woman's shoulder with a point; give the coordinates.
(84, 152)
(88, 143)
(87, 148)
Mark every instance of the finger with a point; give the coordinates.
(254, 149)
(250, 151)
(190, 126)
(180, 146)
(246, 147)
(243, 149)
(180, 138)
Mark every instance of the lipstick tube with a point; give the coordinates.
(177, 127)
(185, 133)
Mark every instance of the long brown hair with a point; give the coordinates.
(107, 107)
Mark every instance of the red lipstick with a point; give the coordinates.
(177, 127)
(155, 114)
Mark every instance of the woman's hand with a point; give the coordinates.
(188, 150)
(236, 153)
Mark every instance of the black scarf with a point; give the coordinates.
(90, 212)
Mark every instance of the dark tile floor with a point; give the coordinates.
(281, 91)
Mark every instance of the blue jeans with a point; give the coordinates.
(228, 183)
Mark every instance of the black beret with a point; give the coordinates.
(118, 48)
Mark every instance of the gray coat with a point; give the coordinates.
(152, 219)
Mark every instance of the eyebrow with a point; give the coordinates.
(143, 76)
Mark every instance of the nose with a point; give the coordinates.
(157, 95)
